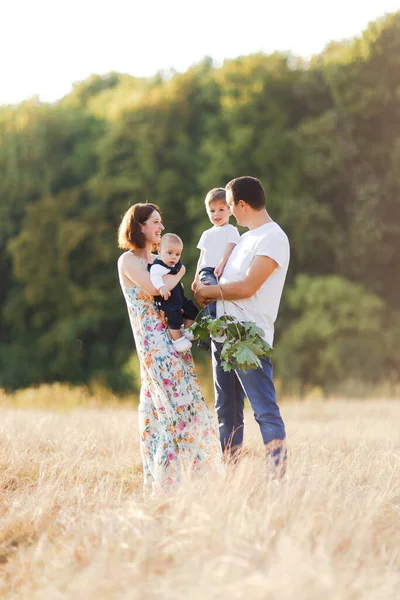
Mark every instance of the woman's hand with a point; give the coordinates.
(173, 280)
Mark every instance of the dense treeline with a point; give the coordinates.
(323, 137)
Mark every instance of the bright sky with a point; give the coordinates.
(46, 45)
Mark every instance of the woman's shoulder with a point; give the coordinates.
(129, 264)
(125, 258)
(128, 258)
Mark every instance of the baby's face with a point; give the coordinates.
(218, 213)
(170, 254)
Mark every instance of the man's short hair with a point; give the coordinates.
(249, 189)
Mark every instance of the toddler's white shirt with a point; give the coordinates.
(214, 242)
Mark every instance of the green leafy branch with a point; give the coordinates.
(243, 345)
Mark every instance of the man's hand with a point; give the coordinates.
(164, 292)
(194, 285)
(202, 294)
(182, 270)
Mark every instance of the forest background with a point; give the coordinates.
(322, 135)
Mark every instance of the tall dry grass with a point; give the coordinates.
(74, 523)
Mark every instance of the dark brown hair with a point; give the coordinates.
(215, 195)
(130, 235)
(249, 189)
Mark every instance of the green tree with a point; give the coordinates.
(335, 333)
(46, 151)
(324, 138)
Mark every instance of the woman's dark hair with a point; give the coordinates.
(130, 235)
(249, 189)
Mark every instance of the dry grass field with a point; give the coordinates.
(74, 523)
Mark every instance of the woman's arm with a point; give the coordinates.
(131, 270)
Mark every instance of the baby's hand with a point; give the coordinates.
(219, 269)
(164, 292)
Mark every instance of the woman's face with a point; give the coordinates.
(153, 227)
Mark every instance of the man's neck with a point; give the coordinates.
(257, 218)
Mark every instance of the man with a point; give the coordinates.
(253, 279)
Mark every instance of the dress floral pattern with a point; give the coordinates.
(176, 428)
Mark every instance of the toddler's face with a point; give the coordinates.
(170, 253)
(218, 213)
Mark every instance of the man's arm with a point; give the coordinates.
(261, 268)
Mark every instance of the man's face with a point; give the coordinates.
(234, 208)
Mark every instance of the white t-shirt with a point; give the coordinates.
(262, 308)
(214, 242)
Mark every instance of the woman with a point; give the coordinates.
(176, 428)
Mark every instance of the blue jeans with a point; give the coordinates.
(207, 275)
(257, 384)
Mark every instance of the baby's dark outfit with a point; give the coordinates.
(177, 300)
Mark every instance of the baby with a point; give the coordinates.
(177, 308)
(216, 245)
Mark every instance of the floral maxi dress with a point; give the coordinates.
(176, 428)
